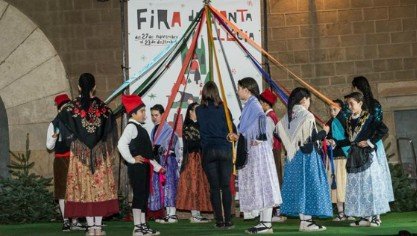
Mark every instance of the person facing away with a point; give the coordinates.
(91, 189)
(56, 143)
(305, 190)
(216, 153)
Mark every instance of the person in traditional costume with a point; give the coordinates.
(91, 190)
(217, 153)
(56, 143)
(366, 195)
(165, 144)
(305, 190)
(361, 84)
(258, 180)
(267, 99)
(135, 147)
(338, 177)
(193, 188)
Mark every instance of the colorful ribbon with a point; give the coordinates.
(223, 93)
(166, 51)
(271, 58)
(282, 93)
(180, 78)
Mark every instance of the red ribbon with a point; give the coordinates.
(147, 161)
(180, 78)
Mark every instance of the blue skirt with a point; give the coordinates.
(305, 189)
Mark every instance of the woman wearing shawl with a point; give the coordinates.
(258, 179)
(91, 190)
(305, 190)
(164, 185)
(193, 188)
(372, 105)
(366, 195)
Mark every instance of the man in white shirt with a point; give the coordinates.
(55, 142)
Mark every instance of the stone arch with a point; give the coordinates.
(32, 74)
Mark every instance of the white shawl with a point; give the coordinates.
(301, 128)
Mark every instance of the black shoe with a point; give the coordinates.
(219, 225)
(66, 226)
(229, 225)
(261, 228)
(146, 230)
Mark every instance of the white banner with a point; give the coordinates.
(153, 24)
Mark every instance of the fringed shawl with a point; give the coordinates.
(92, 134)
(296, 133)
(253, 121)
(164, 136)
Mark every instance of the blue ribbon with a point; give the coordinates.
(143, 71)
(281, 93)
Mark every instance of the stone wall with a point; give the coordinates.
(86, 35)
(328, 42)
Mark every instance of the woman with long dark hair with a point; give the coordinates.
(217, 153)
(365, 189)
(91, 190)
(258, 178)
(305, 190)
(372, 105)
(193, 188)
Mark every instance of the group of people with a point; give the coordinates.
(84, 138)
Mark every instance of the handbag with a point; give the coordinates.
(241, 152)
(359, 159)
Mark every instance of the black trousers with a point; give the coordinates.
(139, 180)
(218, 165)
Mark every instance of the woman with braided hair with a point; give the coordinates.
(305, 190)
(91, 189)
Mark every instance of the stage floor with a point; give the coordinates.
(392, 224)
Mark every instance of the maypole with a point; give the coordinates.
(223, 93)
(210, 44)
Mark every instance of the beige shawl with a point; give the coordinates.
(296, 134)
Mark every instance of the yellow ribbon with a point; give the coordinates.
(222, 91)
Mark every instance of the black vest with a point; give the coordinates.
(60, 145)
(141, 145)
